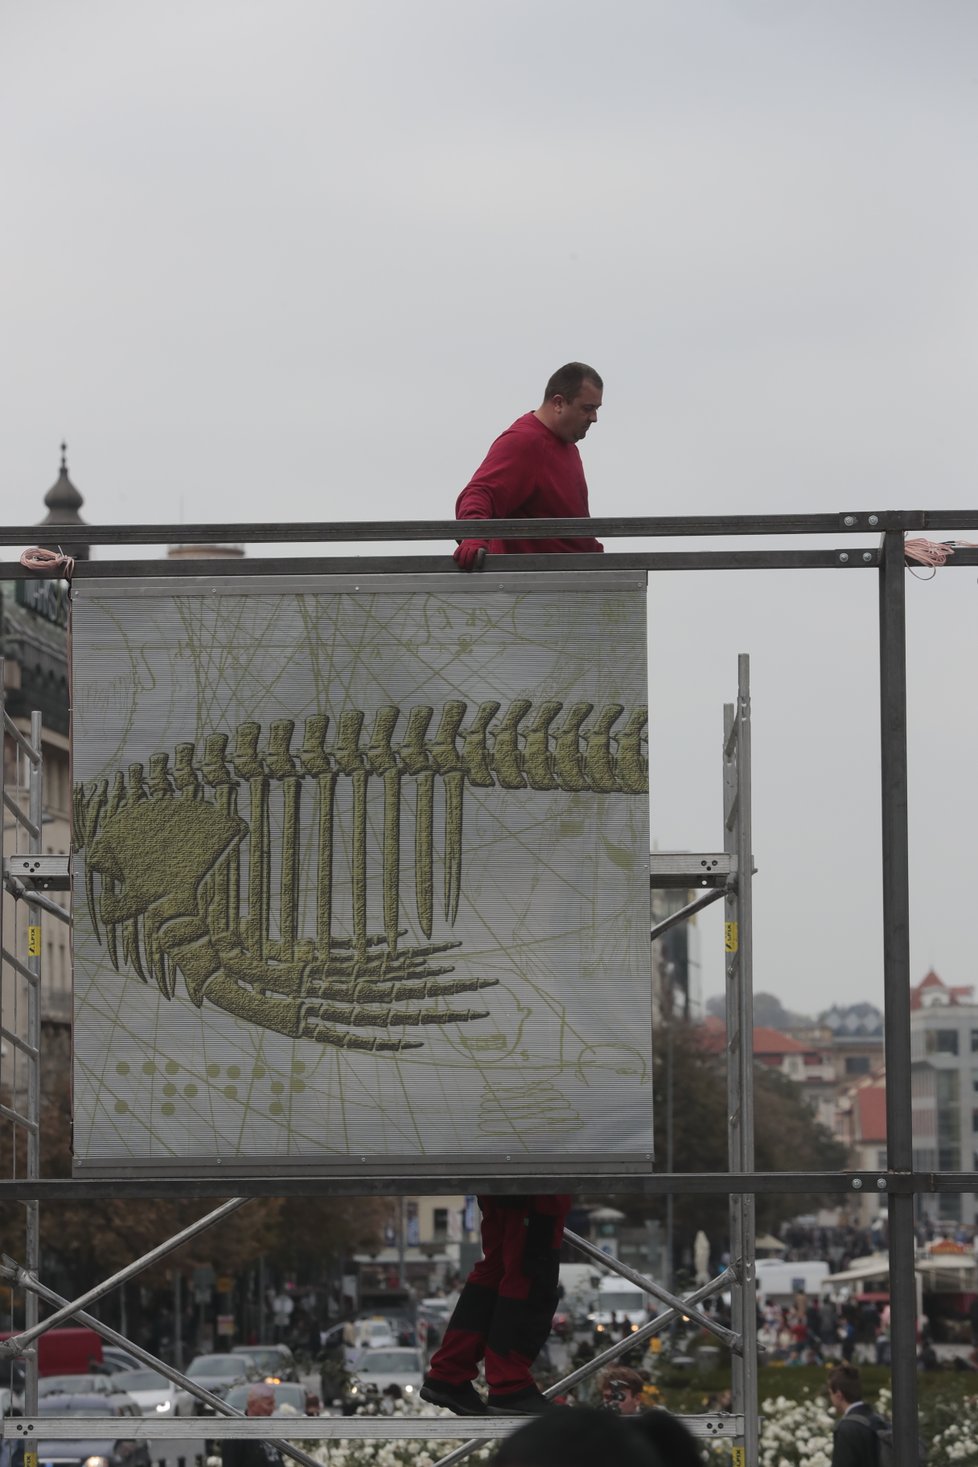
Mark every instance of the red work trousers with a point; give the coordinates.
(506, 1308)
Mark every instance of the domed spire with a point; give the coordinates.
(64, 501)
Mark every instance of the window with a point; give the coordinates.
(947, 1088)
(974, 1041)
(439, 1224)
(857, 1064)
(942, 1041)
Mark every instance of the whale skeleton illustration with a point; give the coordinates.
(166, 850)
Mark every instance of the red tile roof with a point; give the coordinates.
(772, 1041)
(961, 994)
(768, 1043)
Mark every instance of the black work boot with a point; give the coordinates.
(463, 1399)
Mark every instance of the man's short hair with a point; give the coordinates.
(581, 1437)
(568, 380)
(622, 1377)
(845, 1379)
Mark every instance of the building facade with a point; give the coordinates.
(944, 1091)
(33, 643)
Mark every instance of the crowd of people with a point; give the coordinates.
(811, 1331)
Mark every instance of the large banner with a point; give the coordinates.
(361, 874)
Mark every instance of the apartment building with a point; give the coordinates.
(944, 1090)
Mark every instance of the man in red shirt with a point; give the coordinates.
(534, 470)
(505, 1311)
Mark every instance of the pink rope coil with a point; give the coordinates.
(51, 563)
(928, 552)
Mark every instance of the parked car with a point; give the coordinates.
(152, 1392)
(373, 1332)
(113, 1451)
(115, 1358)
(397, 1371)
(403, 1323)
(291, 1399)
(103, 1386)
(216, 1373)
(275, 1362)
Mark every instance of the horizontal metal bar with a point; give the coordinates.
(14, 962)
(42, 873)
(19, 815)
(682, 869)
(941, 1182)
(714, 1424)
(452, 1180)
(22, 743)
(684, 913)
(191, 1429)
(668, 560)
(321, 532)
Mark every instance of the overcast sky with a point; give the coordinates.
(303, 261)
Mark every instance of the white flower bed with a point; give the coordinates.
(792, 1434)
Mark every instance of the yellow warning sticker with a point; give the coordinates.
(738, 1456)
(730, 942)
(30, 1457)
(33, 951)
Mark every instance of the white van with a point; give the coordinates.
(624, 1300)
(780, 1282)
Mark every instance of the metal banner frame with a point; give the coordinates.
(377, 852)
(29, 874)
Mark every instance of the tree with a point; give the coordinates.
(84, 1242)
(769, 1011)
(787, 1137)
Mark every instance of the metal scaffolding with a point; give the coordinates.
(27, 876)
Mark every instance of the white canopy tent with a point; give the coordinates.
(874, 1266)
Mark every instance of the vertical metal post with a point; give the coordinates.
(261, 1298)
(32, 1258)
(3, 851)
(669, 1272)
(178, 1319)
(896, 988)
(740, 1046)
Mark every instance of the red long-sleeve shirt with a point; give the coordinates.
(528, 473)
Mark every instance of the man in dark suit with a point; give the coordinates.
(854, 1440)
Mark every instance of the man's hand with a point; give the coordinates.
(471, 554)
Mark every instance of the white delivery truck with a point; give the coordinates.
(621, 1299)
(579, 1282)
(779, 1282)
